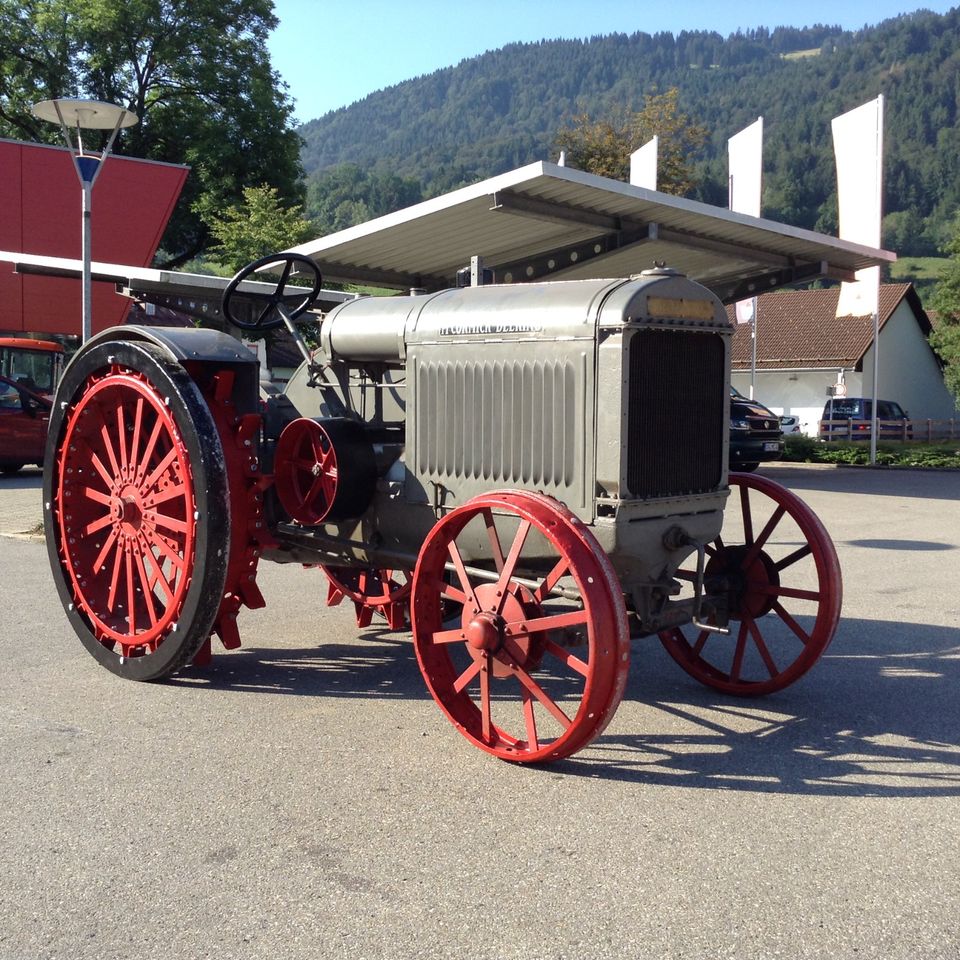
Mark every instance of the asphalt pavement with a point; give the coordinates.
(303, 797)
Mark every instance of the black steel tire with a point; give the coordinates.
(115, 366)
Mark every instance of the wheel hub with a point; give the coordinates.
(485, 632)
(748, 587)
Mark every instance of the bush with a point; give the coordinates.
(799, 448)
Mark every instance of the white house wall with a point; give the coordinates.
(909, 372)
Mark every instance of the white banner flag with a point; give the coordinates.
(745, 173)
(858, 145)
(745, 157)
(643, 165)
(746, 310)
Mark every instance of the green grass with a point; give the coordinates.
(801, 54)
(918, 268)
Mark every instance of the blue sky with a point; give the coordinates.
(332, 53)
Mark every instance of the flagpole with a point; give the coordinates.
(875, 424)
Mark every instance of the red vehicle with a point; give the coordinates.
(29, 371)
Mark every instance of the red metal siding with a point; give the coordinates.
(41, 203)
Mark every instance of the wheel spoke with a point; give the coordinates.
(156, 539)
(486, 724)
(802, 635)
(122, 437)
(761, 541)
(564, 655)
(162, 520)
(137, 424)
(147, 456)
(159, 469)
(761, 646)
(454, 552)
(448, 636)
(466, 678)
(495, 546)
(131, 595)
(449, 591)
(175, 490)
(101, 469)
(284, 276)
(264, 313)
(792, 558)
(553, 621)
(96, 525)
(514, 667)
(115, 577)
(147, 590)
(102, 555)
(701, 642)
(91, 493)
(510, 564)
(529, 719)
(551, 580)
(746, 514)
(777, 590)
(108, 446)
(738, 652)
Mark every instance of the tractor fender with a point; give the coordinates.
(192, 348)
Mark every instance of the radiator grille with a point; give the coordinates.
(503, 422)
(677, 407)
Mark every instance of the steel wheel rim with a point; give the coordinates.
(126, 513)
(496, 670)
(375, 587)
(768, 593)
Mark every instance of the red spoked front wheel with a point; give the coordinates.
(525, 647)
(778, 568)
(137, 516)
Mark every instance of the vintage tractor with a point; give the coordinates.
(531, 475)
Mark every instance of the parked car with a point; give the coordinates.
(29, 370)
(755, 435)
(789, 424)
(849, 418)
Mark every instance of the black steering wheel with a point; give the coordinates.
(294, 304)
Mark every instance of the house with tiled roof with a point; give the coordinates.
(803, 350)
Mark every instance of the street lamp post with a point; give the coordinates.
(79, 115)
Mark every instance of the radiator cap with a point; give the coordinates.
(660, 269)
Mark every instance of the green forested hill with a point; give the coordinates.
(504, 108)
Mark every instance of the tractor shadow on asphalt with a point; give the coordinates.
(377, 663)
(877, 716)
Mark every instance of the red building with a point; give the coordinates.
(40, 203)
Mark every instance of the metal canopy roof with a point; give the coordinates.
(545, 221)
(197, 295)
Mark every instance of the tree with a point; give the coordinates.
(604, 146)
(347, 195)
(946, 305)
(257, 227)
(197, 74)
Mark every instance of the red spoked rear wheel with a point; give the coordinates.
(373, 590)
(526, 649)
(779, 570)
(137, 520)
